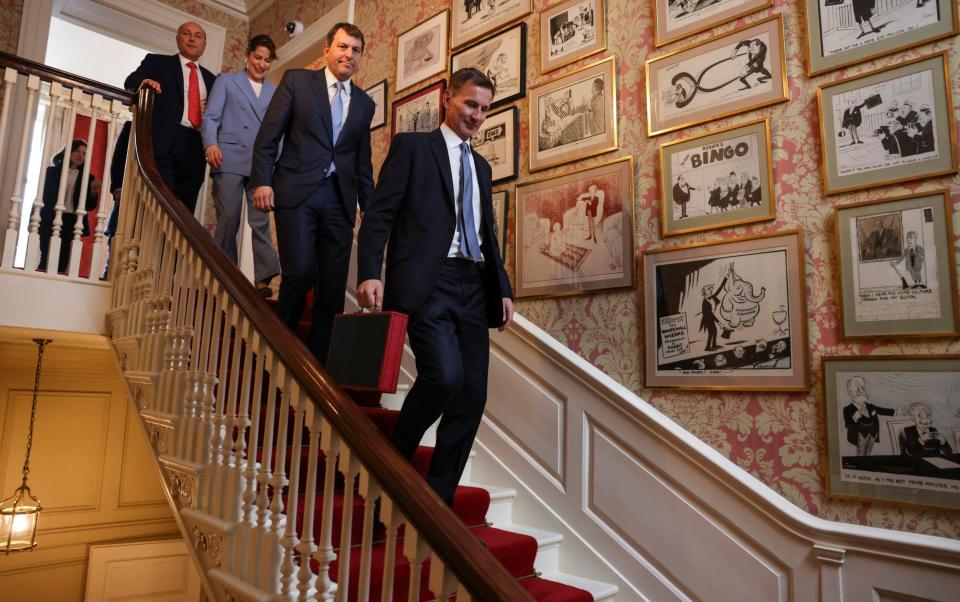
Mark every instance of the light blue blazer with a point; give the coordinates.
(232, 119)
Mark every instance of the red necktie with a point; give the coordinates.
(193, 96)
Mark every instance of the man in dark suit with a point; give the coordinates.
(181, 85)
(862, 418)
(433, 203)
(322, 174)
(921, 439)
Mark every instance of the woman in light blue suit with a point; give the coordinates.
(235, 106)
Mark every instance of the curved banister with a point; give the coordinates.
(46, 73)
(476, 569)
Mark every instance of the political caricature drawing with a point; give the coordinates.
(727, 314)
(875, 22)
(895, 275)
(886, 124)
(716, 177)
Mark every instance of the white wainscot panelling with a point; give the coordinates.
(154, 570)
(69, 445)
(535, 421)
(697, 551)
(138, 487)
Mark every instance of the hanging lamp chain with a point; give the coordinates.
(41, 343)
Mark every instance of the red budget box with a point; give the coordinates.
(366, 350)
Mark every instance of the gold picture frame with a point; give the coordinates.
(564, 41)
(872, 100)
(672, 27)
(830, 46)
(713, 79)
(874, 452)
(574, 232)
(722, 315)
(896, 275)
(489, 17)
(690, 169)
(574, 116)
(422, 51)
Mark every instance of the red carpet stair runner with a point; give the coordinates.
(517, 552)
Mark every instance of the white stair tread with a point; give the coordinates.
(544, 538)
(496, 493)
(598, 589)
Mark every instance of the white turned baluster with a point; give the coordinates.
(443, 583)
(233, 425)
(350, 467)
(325, 554)
(306, 548)
(227, 317)
(53, 251)
(265, 474)
(57, 96)
(416, 551)
(105, 205)
(16, 199)
(370, 491)
(392, 519)
(9, 81)
(279, 480)
(210, 380)
(76, 245)
(297, 401)
(253, 433)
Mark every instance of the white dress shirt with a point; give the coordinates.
(185, 119)
(453, 142)
(332, 89)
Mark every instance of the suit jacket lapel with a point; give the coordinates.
(243, 82)
(178, 69)
(323, 100)
(264, 100)
(439, 148)
(353, 112)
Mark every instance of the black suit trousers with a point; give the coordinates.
(183, 167)
(314, 240)
(449, 336)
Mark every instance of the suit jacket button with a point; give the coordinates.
(246, 127)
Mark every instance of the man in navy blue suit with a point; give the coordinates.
(181, 85)
(314, 186)
(433, 202)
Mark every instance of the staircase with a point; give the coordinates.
(529, 554)
(270, 466)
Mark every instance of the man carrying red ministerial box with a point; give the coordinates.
(444, 269)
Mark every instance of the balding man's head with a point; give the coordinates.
(191, 40)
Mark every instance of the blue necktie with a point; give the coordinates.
(336, 115)
(469, 244)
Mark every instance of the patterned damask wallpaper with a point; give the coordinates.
(234, 50)
(10, 11)
(777, 437)
(273, 18)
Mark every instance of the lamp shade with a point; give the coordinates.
(19, 515)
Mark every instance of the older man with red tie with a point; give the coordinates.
(181, 85)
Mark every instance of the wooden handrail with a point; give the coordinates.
(46, 73)
(475, 568)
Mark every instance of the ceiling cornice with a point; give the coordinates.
(255, 7)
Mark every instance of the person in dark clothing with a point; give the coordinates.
(922, 439)
(862, 13)
(681, 194)
(71, 202)
(861, 418)
(908, 146)
(708, 319)
(924, 137)
(852, 119)
(756, 57)
(118, 165)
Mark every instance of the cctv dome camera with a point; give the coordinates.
(293, 28)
